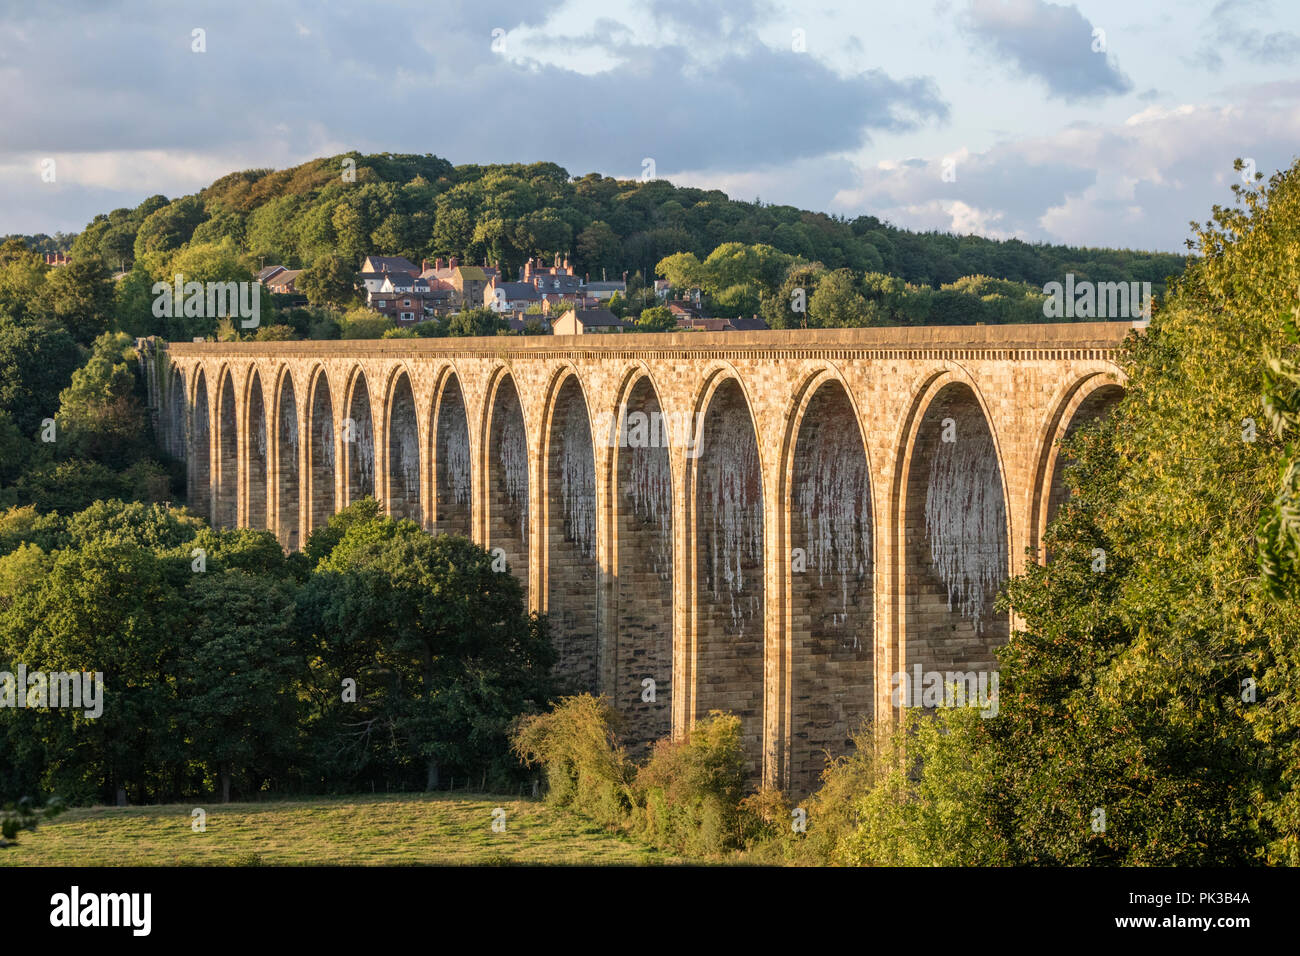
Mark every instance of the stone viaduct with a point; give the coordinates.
(769, 523)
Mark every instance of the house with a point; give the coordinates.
(604, 291)
(56, 259)
(389, 264)
(467, 282)
(510, 296)
(284, 282)
(401, 282)
(408, 308)
(266, 275)
(557, 279)
(754, 324)
(586, 322)
(685, 309)
(662, 288)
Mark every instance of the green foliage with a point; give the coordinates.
(576, 744)
(329, 280)
(36, 362)
(25, 815)
(224, 676)
(1162, 690)
(476, 322)
(656, 319)
(689, 797)
(690, 791)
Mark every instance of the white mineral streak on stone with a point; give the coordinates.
(455, 452)
(833, 499)
(259, 434)
(966, 519)
(649, 486)
(578, 480)
(408, 455)
(514, 464)
(327, 441)
(289, 427)
(733, 493)
(364, 443)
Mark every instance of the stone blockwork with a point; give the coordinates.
(789, 519)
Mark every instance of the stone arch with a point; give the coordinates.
(357, 439)
(1082, 403)
(200, 476)
(177, 416)
(402, 466)
(641, 626)
(727, 514)
(830, 608)
(453, 488)
(572, 574)
(225, 508)
(507, 466)
(322, 452)
(954, 535)
(288, 487)
(255, 457)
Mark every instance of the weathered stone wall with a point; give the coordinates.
(701, 588)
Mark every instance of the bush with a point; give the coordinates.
(576, 746)
(691, 790)
(686, 799)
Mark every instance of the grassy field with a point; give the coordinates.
(357, 830)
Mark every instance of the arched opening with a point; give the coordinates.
(177, 432)
(200, 478)
(288, 489)
(729, 600)
(957, 557)
(832, 609)
(403, 467)
(572, 598)
(227, 491)
(451, 459)
(643, 587)
(358, 441)
(507, 492)
(1095, 406)
(255, 455)
(320, 455)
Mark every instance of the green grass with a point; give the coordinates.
(390, 830)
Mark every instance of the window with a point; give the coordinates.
(380, 303)
(406, 302)
(408, 316)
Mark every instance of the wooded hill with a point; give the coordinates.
(423, 206)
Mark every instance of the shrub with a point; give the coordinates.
(690, 790)
(576, 744)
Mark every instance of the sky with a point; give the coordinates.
(1104, 123)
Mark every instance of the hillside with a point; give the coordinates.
(423, 206)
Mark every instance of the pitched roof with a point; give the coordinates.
(392, 264)
(472, 273)
(287, 277)
(518, 290)
(269, 271)
(592, 318)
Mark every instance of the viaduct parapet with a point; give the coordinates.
(770, 523)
